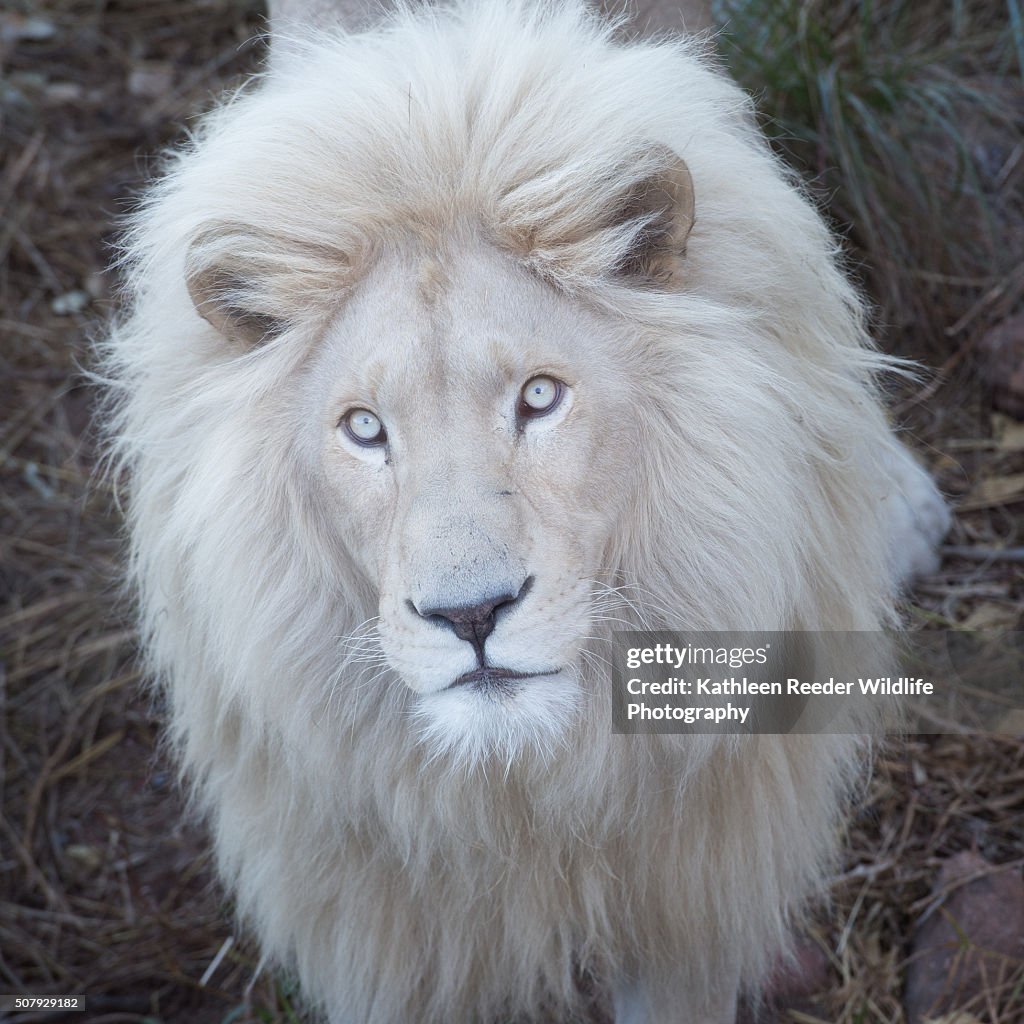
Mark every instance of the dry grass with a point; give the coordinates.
(930, 798)
(102, 889)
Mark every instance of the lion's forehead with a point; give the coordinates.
(441, 333)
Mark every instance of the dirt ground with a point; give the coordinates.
(103, 889)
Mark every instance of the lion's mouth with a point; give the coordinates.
(489, 677)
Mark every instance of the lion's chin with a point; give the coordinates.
(505, 716)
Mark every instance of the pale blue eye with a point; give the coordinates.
(540, 395)
(365, 428)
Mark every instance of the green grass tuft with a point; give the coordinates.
(905, 116)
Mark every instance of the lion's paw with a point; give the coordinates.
(918, 518)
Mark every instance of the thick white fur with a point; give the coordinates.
(430, 203)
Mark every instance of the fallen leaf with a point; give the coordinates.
(89, 857)
(989, 615)
(996, 490)
(1007, 432)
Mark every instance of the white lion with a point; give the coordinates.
(453, 345)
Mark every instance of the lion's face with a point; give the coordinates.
(475, 429)
(477, 436)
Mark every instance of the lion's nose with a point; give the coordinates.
(474, 623)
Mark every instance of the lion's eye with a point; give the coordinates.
(364, 428)
(539, 396)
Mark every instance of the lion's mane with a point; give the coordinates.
(404, 885)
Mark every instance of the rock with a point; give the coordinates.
(70, 302)
(962, 946)
(801, 978)
(18, 27)
(795, 984)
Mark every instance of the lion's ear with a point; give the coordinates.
(251, 285)
(663, 204)
(631, 222)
